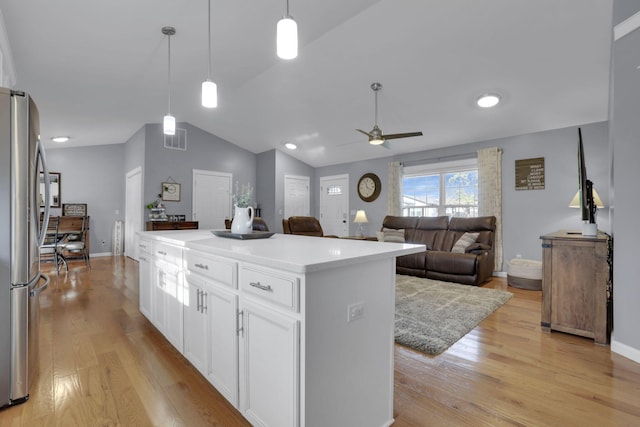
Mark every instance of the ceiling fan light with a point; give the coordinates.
(287, 38)
(376, 140)
(209, 94)
(169, 125)
(291, 145)
(488, 100)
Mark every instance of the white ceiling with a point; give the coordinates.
(98, 70)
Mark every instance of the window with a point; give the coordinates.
(441, 189)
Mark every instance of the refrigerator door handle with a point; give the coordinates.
(35, 291)
(42, 233)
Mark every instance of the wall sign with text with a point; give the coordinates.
(530, 174)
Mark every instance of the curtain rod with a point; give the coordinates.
(440, 159)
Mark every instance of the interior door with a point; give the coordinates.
(132, 211)
(334, 204)
(211, 198)
(296, 196)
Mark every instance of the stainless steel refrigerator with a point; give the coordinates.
(21, 234)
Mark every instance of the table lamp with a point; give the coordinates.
(588, 229)
(361, 218)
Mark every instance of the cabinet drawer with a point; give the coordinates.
(219, 269)
(144, 245)
(273, 286)
(171, 254)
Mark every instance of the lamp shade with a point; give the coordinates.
(575, 202)
(287, 38)
(209, 94)
(169, 125)
(361, 217)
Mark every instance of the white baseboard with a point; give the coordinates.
(625, 350)
(101, 254)
(500, 273)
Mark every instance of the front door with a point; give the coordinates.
(334, 204)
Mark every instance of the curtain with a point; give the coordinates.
(395, 189)
(490, 193)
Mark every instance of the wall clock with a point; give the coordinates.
(369, 187)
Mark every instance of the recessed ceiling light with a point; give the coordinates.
(488, 100)
(60, 138)
(291, 145)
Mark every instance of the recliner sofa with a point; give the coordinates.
(472, 267)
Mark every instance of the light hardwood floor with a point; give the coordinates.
(103, 364)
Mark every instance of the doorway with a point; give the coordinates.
(296, 196)
(334, 204)
(211, 198)
(132, 211)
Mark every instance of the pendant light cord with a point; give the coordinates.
(209, 73)
(169, 72)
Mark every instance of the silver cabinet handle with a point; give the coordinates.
(240, 323)
(260, 286)
(202, 266)
(162, 253)
(198, 304)
(203, 304)
(143, 258)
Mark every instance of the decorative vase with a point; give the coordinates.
(242, 220)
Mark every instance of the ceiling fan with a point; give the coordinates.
(376, 137)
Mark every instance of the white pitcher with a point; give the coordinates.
(242, 220)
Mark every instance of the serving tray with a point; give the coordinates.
(255, 235)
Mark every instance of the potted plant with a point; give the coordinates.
(243, 211)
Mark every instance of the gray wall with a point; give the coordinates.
(625, 134)
(95, 176)
(526, 214)
(204, 151)
(266, 188)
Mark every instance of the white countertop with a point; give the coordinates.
(298, 254)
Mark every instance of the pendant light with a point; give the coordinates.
(287, 37)
(169, 122)
(209, 88)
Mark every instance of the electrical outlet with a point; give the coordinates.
(355, 311)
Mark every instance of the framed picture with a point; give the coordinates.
(74, 209)
(171, 191)
(54, 189)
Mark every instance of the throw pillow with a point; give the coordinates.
(393, 235)
(467, 239)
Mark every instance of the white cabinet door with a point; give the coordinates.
(157, 295)
(168, 302)
(222, 311)
(174, 306)
(195, 323)
(144, 292)
(269, 366)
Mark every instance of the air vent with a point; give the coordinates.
(177, 141)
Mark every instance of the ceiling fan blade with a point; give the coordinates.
(366, 133)
(402, 135)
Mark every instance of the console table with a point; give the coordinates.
(577, 284)
(171, 225)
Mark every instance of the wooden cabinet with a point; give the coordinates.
(577, 284)
(171, 225)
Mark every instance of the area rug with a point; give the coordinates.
(432, 315)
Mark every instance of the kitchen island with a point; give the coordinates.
(292, 330)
